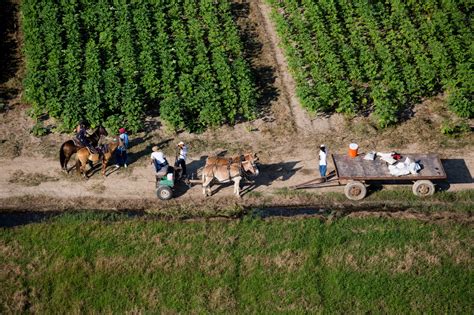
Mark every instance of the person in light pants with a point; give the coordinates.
(181, 160)
(323, 161)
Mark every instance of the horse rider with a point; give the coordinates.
(159, 161)
(181, 159)
(121, 153)
(81, 136)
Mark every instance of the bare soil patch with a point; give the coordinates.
(34, 179)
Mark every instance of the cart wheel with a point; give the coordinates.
(164, 192)
(423, 188)
(355, 190)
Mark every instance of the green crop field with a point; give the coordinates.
(110, 263)
(112, 61)
(378, 56)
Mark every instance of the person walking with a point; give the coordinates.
(323, 161)
(181, 159)
(121, 152)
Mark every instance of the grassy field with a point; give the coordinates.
(89, 262)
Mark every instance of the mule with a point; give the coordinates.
(69, 147)
(83, 155)
(224, 170)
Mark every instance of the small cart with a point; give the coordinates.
(356, 173)
(166, 186)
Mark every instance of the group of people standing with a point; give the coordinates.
(158, 159)
(121, 158)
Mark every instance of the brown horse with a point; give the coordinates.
(83, 155)
(225, 170)
(68, 148)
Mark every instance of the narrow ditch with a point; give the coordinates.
(18, 218)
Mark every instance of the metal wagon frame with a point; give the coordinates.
(356, 173)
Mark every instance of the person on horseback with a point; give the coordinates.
(81, 136)
(121, 153)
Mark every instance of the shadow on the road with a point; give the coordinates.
(457, 171)
(9, 60)
(272, 172)
(132, 157)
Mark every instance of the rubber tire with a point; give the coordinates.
(355, 190)
(423, 188)
(164, 193)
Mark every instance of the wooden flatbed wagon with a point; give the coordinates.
(356, 173)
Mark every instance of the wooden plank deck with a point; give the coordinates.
(359, 169)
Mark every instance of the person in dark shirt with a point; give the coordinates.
(81, 136)
(121, 153)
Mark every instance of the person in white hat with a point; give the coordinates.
(181, 157)
(159, 161)
(323, 161)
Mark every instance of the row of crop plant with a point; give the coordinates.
(380, 56)
(111, 61)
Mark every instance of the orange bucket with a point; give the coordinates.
(353, 147)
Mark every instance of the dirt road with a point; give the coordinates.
(285, 138)
(40, 176)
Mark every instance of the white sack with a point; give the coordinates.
(414, 168)
(387, 157)
(398, 170)
(370, 156)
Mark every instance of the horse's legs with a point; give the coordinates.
(206, 185)
(237, 185)
(84, 169)
(78, 166)
(105, 161)
(81, 163)
(203, 186)
(66, 160)
(209, 190)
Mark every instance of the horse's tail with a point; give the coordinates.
(62, 156)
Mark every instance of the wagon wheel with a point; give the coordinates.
(164, 192)
(423, 188)
(355, 190)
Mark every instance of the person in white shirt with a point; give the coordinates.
(323, 161)
(181, 159)
(159, 161)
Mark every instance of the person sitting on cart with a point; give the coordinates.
(181, 159)
(159, 161)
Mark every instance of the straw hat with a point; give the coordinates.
(155, 149)
(322, 146)
(181, 143)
